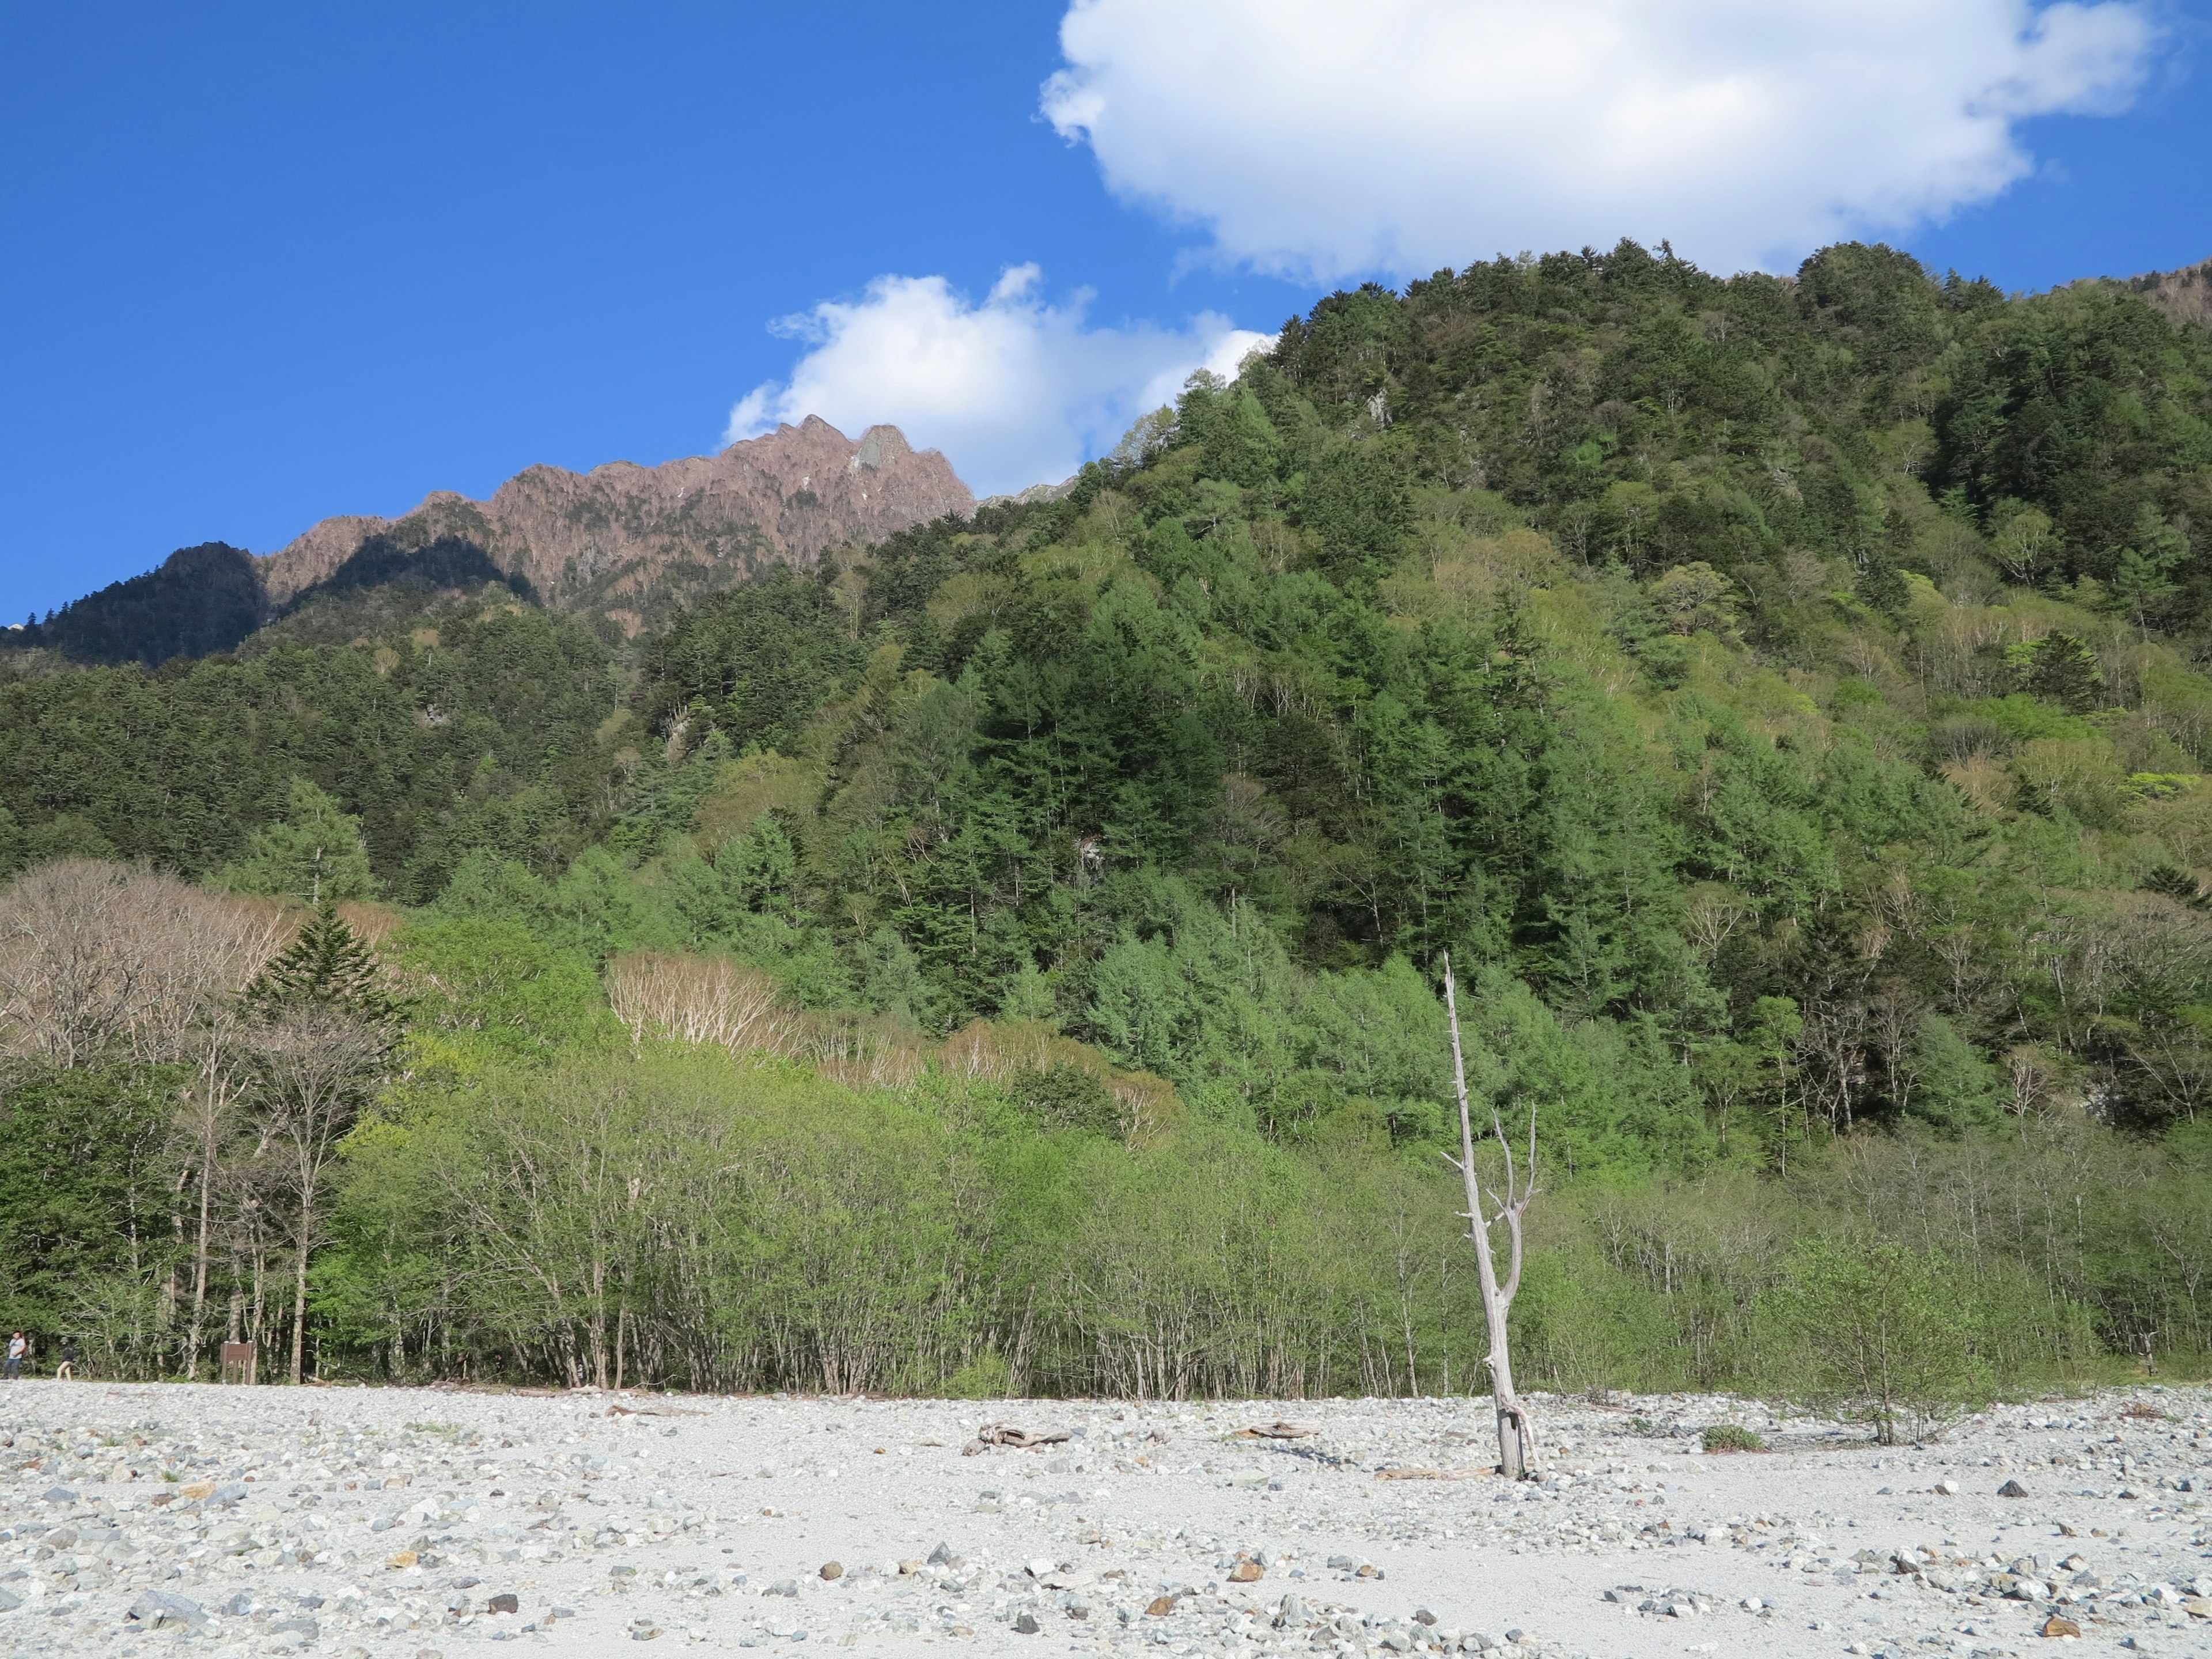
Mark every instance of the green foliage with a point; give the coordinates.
(84, 1188)
(314, 853)
(493, 985)
(1731, 1438)
(1874, 1332)
(328, 966)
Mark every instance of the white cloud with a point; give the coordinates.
(1015, 391)
(1317, 138)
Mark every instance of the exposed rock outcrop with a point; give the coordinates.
(628, 539)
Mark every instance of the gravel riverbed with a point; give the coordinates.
(416, 1523)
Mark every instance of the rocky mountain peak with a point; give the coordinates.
(629, 540)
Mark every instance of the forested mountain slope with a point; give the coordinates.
(1783, 698)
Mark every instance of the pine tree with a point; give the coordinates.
(2065, 671)
(330, 966)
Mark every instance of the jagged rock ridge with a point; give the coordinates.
(631, 540)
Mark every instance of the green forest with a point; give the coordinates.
(1007, 958)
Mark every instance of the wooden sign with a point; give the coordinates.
(238, 1361)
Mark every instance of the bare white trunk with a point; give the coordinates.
(1516, 1439)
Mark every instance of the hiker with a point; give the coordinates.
(66, 1371)
(18, 1345)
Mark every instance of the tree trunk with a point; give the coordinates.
(1517, 1442)
(300, 1295)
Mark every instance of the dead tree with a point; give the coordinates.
(1517, 1437)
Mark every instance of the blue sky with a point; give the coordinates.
(264, 264)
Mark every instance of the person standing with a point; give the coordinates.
(18, 1345)
(66, 1371)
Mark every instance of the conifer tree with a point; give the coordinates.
(328, 966)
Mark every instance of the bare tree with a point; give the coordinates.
(1517, 1436)
(101, 958)
(696, 998)
(318, 1065)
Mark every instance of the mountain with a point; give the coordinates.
(2186, 295)
(199, 599)
(630, 543)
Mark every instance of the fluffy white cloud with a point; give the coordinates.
(1015, 391)
(1317, 138)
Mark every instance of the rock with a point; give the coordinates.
(1423, 1616)
(404, 1559)
(1246, 1573)
(2056, 1625)
(192, 1491)
(9, 1601)
(1026, 1624)
(2012, 1489)
(158, 1608)
(833, 1569)
(1161, 1607)
(783, 1586)
(941, 1555)
(1290, 1613)
(60, 1495)
(509, 1603)
(2198, 1607)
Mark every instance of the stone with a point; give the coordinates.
(2056, 1626)
(403, 1560)
(833, 1569)
(2012, 1489)
(1948, 1488)
(941, 1556)
(193, 1491)
(505, 1602)
(784, 1586)
(1246, 1573)
(158, 1608)
(60, 1495)
(1026, 1624)
(1161, 1607)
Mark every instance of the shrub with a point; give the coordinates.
(1730, 1438)
(1874, 1333)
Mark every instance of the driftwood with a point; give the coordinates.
(1005, 1434)
(1279, 1432)
(1433, 1475)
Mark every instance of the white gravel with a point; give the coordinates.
(382, 1523)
